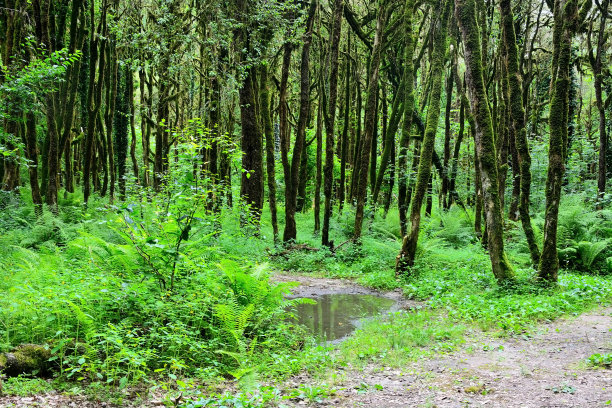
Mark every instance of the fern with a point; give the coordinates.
(233, 320)
(589, 251)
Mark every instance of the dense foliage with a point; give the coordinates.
(161, 160)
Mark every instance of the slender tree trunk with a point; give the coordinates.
(328, 171)
(406, 257)
(121, 119)
(408, 110)
(466, 17)
(370, 118)
(290, 230)
(303, 180)
(457, 151)
(517, 114)
(145, 128)
(596, 65)
(270, 159)
(319, 175)
(345, 141)
(111, 99)
(292, 183)
(444, 199)
(132, 113)
(94, 100)
(32, 156)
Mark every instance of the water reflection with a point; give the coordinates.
(335, 316)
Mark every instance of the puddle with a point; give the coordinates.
(335, 316)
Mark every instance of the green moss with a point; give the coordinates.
(25, 359)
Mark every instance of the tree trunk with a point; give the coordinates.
(444, 199)
(132, 112)
(466, 17)
(251, 188)
(290, 230)
(566, 20)
(269, 136)
(32, 156)
(596, 65)
(370, 118)
(328, 171)
(94, 99)
(345, 142)
(122, 126)
(319, 175)
(292, 183)
(409, 102)
(519, 132)
(406, 257)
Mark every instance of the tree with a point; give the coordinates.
(568, 16)
(330, 120)
(519, 131)
(465, 13)
(407, 254)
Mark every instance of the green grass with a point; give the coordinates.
(401, 337)
(24, 386)
(459, 282)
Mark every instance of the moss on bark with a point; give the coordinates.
(517, 111)
(405, 259)
(485, 145)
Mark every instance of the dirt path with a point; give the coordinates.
(546, 370)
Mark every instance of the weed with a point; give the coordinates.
(24, 386)
(600, 360)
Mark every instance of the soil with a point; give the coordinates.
(547, 369)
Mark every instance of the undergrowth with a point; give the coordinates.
(139, 294)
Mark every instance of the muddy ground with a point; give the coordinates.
(547, 369)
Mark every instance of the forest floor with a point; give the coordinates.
(546, 368)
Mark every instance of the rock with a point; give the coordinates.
(25, 359)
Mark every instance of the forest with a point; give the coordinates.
(183, 182)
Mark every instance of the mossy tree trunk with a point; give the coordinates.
(402, 161)
(97, 50)
(328, 170)
(269, 136)
(465, 14)
(345, 142)
(370, 118)
(519, 132)
(597, 65)
(406, 257)
(568, 15)
(292, 183)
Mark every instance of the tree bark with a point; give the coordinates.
(566, 19)
(517, 115)
(292, 183)
(408, 110)
(406, 257)
(466, 17)
(328, 170)
(370, 118)
(270, 159)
